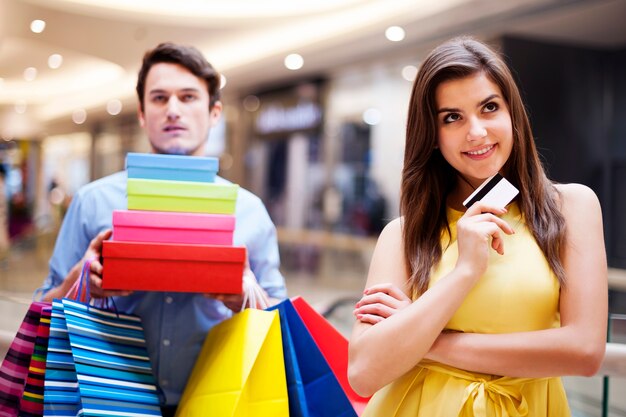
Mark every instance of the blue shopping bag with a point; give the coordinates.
(312, 386)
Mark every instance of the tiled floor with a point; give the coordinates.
(336, 281)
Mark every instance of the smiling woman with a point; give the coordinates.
(487, 306)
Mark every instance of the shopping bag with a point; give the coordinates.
(313, 388)
(240, 370)
(333, 346)
(61, 396)
(111, 361)
(31, 404)
(97, 362)
(14, 368)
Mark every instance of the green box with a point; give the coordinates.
(181, 196)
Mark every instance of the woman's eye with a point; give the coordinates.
(490, 107)
(452, 117)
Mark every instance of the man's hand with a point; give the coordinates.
(235, 301)
(93, 253)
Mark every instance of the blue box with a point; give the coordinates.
(171, 167)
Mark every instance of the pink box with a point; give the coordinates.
(171, 227)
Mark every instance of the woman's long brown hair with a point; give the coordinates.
(427, 178)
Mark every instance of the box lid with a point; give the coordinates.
(140, 186)
(173, 220)
(151, 160)
(173, 251)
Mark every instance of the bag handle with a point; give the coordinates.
(76, 290)
(253, 294)
(77, 293)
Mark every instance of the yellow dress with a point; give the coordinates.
(518, 293)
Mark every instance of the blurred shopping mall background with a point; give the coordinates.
(315, 96)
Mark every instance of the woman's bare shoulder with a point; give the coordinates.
(572, 195)
(393, 230)
(579, 204)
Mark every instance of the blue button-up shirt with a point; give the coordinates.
(175, 324)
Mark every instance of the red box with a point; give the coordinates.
(172, 267)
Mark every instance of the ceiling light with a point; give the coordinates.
(30, 73)
(251, 103)
(223, 81)
(37, 26)
(55, 61)
(395, 33)
(409, 72)
(114, 107)
(294, 61)
(20, 107)
(79, 116)
(371, 116)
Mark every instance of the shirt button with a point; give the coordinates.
(166, 342)
(169, 300)
(164, 382)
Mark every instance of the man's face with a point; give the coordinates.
(176, 113)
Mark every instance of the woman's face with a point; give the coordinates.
(475, 134)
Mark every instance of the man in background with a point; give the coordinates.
(179, 102)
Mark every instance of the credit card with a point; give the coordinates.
(495, 191)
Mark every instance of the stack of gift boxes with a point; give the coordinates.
(177, 234)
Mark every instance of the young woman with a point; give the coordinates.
(477, 312)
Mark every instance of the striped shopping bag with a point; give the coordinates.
(31, 404)
(97, 362)
(60, 384)
(14, 368)
(111, 362)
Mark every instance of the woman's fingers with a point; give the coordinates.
(377, 309)
(480, 207)
(496, 242)
(380, 302)
(369, 318)
(488, 217)
(381, 298)
(484, 220)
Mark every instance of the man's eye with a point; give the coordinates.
(159, 99)
(490, 107)
(452, 117)
(188, 97)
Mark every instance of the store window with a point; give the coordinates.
(362, 204)
(285, 165)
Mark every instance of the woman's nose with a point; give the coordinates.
(476, 130)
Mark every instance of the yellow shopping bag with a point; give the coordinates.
(240, 371)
